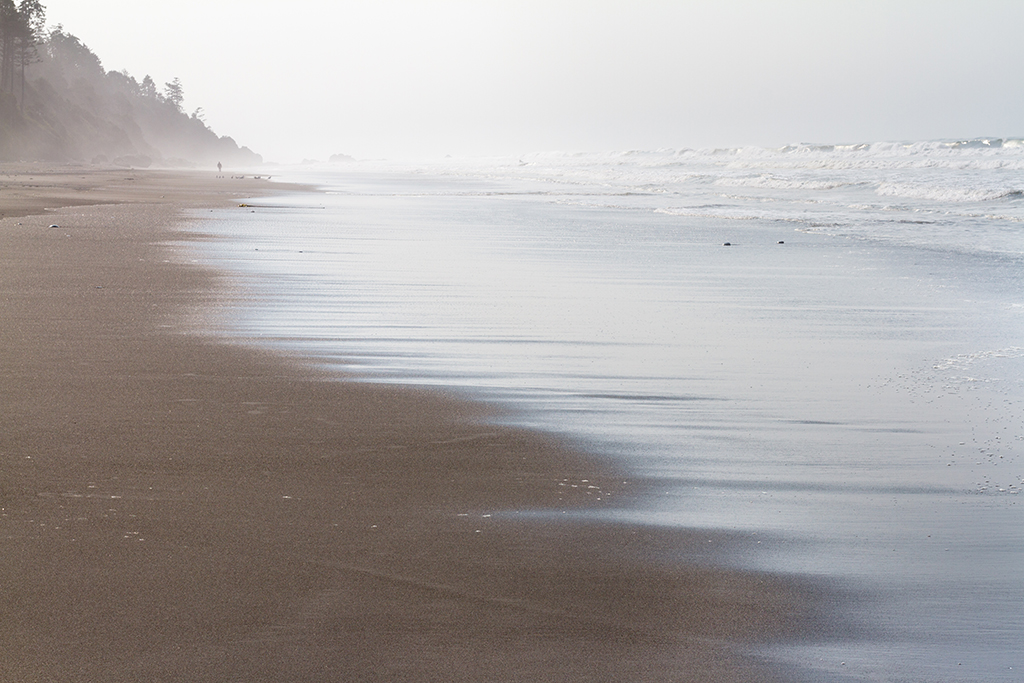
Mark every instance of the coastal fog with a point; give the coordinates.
(400, 79)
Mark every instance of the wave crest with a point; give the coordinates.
(945, 193)
(773, 182)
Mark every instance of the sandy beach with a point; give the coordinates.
(176, 508)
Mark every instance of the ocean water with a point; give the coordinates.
(846, 378)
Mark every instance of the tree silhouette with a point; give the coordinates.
(174, 93)
(33, 19)
(148, 87)
(10, 25)
(20, 29)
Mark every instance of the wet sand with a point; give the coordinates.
(176, 508)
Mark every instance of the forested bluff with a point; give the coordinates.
(58, 104)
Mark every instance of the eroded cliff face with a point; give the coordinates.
(63, 106)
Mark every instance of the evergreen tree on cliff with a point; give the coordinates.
(34, 16)
(174, 93)
(20, 28)
(8, 31)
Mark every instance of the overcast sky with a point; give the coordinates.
(400, 78)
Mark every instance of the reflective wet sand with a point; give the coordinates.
(852, 408)
(178, 508)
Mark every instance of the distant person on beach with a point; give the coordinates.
(219, 167)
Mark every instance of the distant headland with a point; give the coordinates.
(58, 104)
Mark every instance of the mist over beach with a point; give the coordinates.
(511, 342)
(403, 79)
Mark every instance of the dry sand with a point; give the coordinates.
(175, 508)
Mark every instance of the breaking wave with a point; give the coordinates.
(962, 195)
(946, 193)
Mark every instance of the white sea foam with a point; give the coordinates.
(912, 193)
(773, 182)
(947, 193)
